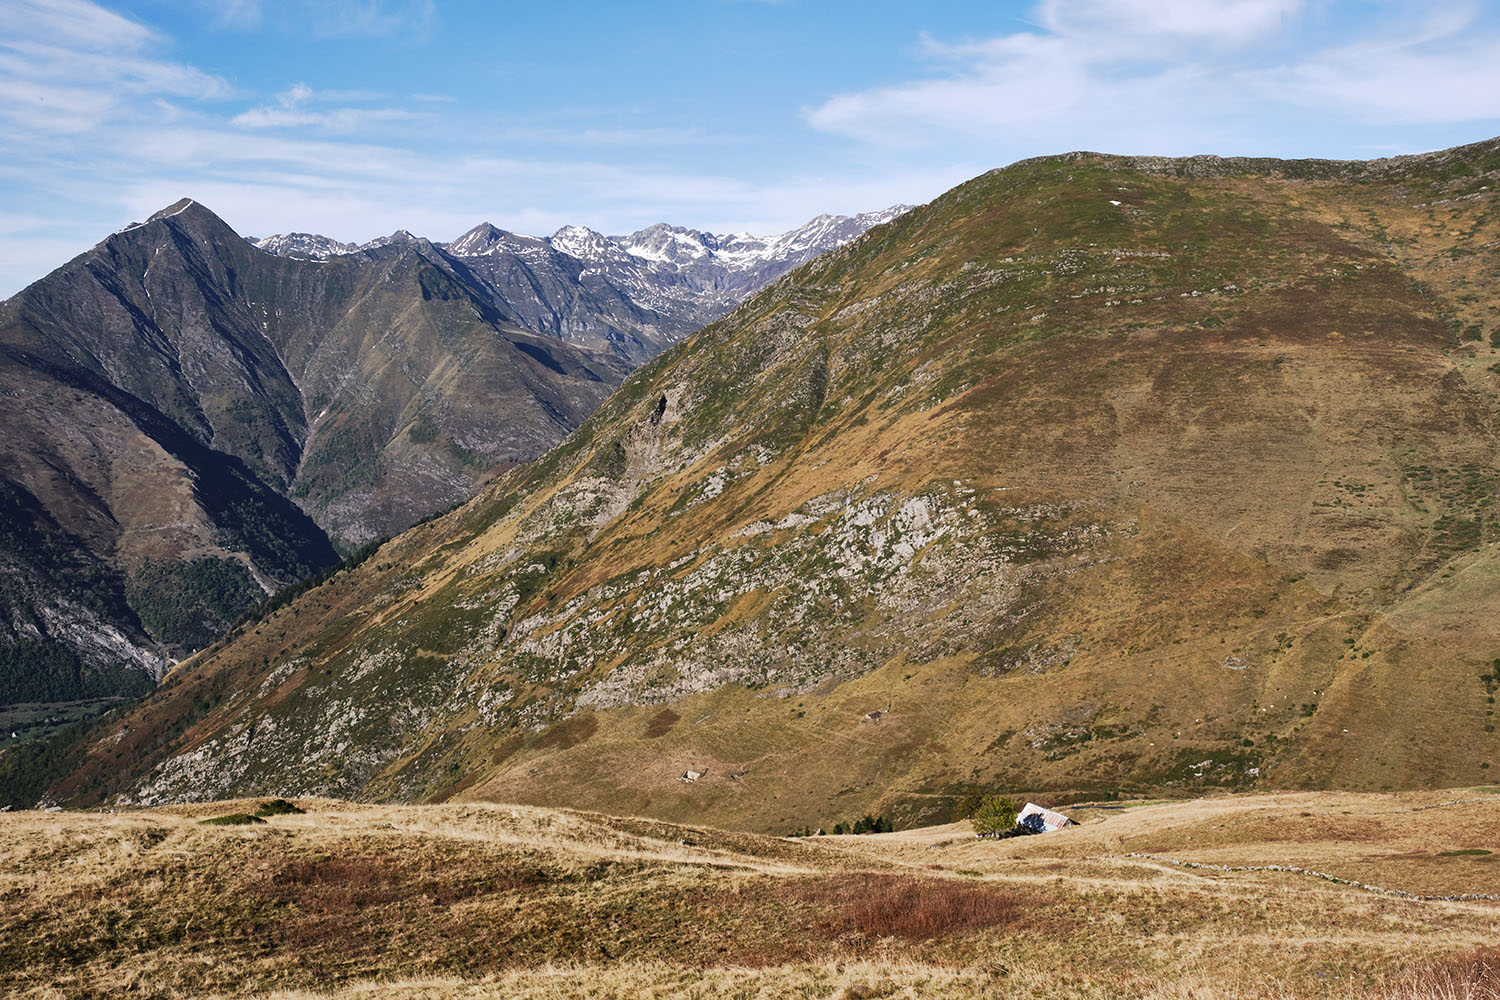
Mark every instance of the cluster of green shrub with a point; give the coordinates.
(28, 769)
(233, 819)
(422, 430)
(286, 595)
(275, 807)
(38, 670)
(992, 814)
(188, 605)
(865, 824)
(279, 537)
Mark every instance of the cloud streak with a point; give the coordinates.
(67, 67)
(327, 18)
(1435, 71)
(1166, 75)
(298, 107)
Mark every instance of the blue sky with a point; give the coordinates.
(356, 117)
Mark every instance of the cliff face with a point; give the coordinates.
(191, 420)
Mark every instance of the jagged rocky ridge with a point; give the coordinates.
(630, 295)
(1096, 473)
(190, 421)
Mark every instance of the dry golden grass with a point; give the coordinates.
(468, 900)
(1471, 977)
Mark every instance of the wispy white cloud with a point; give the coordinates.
(591, 136)
(1433, 70)
(327, 18)
(1018, 87)
(1172, 76)
(67, 66)
(299, 106)
(1157, 24)
(75, 24)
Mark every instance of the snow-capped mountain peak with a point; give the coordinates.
(668, 244)
(585, 244)
(308, 246)
(400, 237)
(477, 240)
(632, 295)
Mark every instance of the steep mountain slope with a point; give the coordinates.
(582, 301)
(170, 393)
(632, 296)
(1095, 473)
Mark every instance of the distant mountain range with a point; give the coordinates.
(633, 295)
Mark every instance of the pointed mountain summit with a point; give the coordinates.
(477, 240)
(176, 208)
(193, 424)
(399, 238)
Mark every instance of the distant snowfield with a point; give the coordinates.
(632, 296)
(661, 244)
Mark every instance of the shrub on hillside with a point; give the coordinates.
(233, 819)
(995, 815)
(865, 824)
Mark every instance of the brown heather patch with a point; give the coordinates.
(1465, 976)
(568, 733)
(661, 723)
(914, 909)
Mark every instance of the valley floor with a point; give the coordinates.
(475, 900)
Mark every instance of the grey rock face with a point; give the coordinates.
(632, 296)
(308, 246)
(177, 394)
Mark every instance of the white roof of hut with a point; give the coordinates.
(1045, 821)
